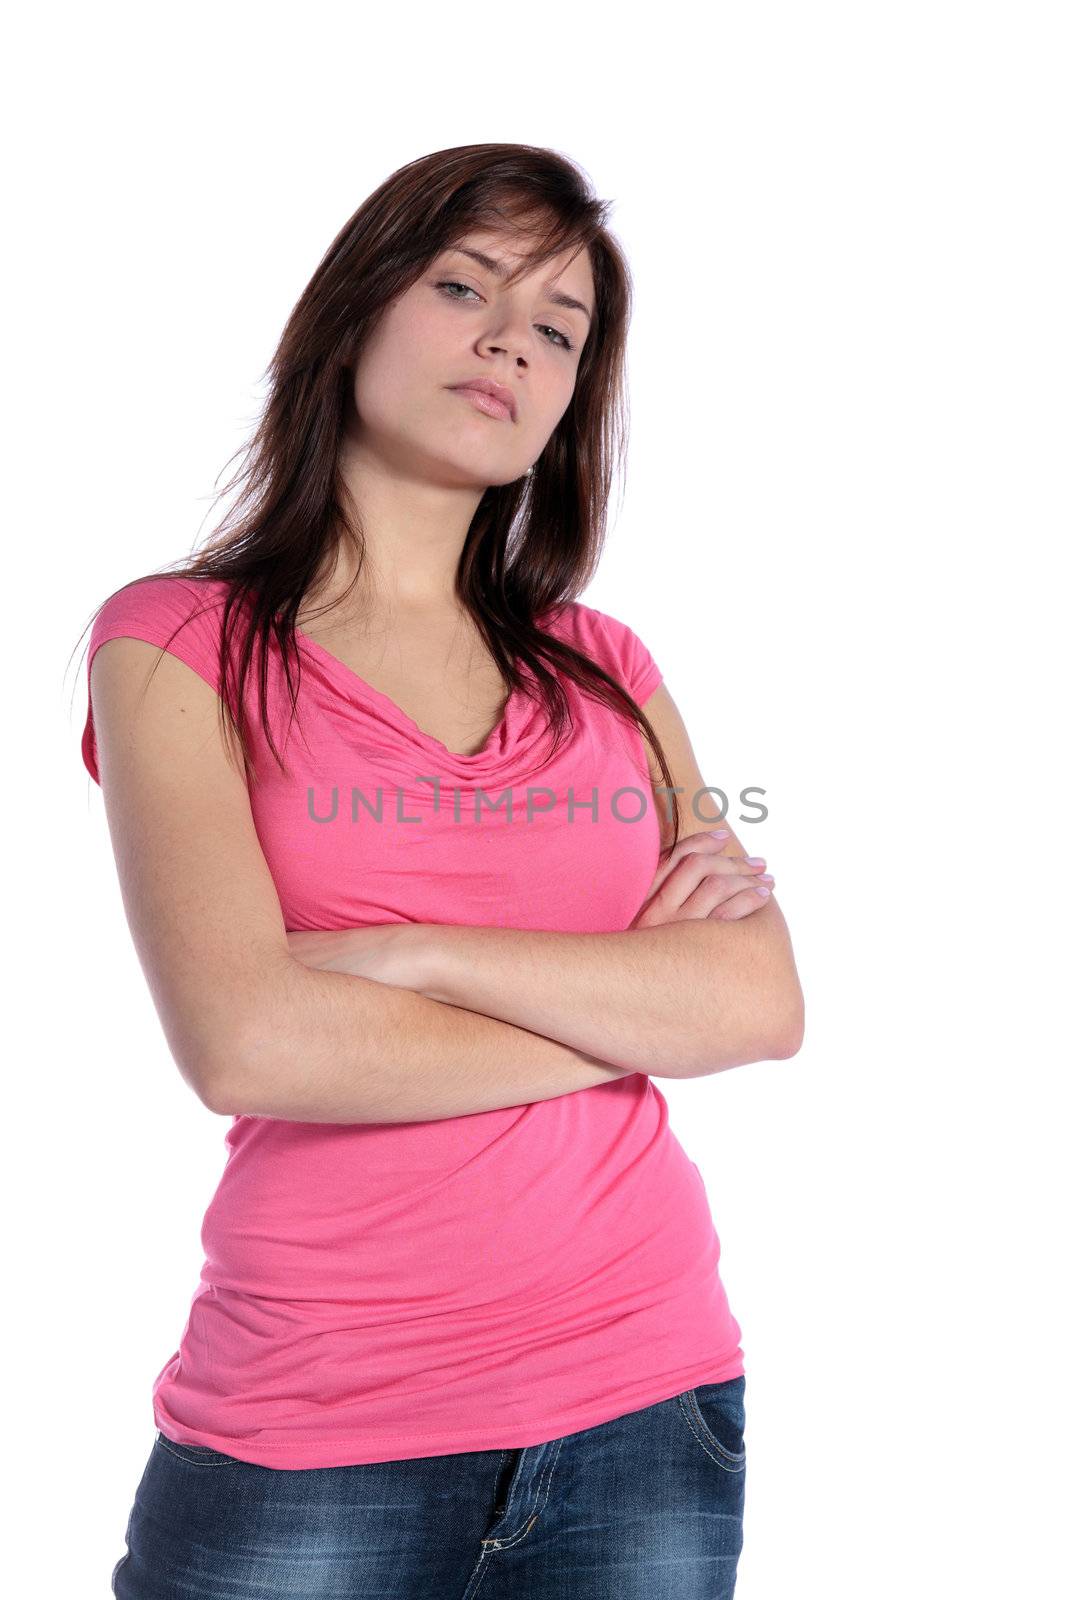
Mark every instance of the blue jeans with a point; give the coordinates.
(646, 1507)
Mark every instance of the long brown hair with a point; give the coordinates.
(534, 544)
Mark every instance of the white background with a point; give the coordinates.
(842, 512)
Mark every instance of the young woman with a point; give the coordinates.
(392, 815)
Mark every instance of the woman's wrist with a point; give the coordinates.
(324, 949)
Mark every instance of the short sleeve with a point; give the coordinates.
(630, 658)
(181, 615)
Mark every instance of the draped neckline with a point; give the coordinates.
(491, 745)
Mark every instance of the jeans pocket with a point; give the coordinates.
(197, 1455)
(716, 1412)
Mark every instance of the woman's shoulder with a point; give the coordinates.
(175, 612)
(161, 597)
(611, 643)
(179, 613)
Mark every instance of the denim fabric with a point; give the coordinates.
(648, 1506)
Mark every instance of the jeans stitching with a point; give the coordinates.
(483, 1565)
(191, 1461)
(540, 1500)
(731, 1462)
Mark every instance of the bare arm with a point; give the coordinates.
(681, 999)
(329, 1047)
(251, 1029)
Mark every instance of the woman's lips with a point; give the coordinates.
(485, 402)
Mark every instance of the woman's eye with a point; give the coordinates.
(454, 286)
(564, 344)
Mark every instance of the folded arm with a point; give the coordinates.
(252, 1030)
(682, 999)
(677, 1000)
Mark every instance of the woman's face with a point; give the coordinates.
(460, 321)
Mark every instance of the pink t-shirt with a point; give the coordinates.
(376, 1292)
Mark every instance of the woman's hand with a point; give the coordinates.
(697, 881)
(388, 952)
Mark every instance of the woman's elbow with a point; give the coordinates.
(225, 1060)
(216, 1084)
(772, 1030)
(788, 1045)
(787, 1036)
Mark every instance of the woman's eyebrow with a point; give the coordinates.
(556, 296)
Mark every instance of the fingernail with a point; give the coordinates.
(761, 890)
(720, 833)
(755, 861)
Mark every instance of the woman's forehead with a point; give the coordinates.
(508, 250)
